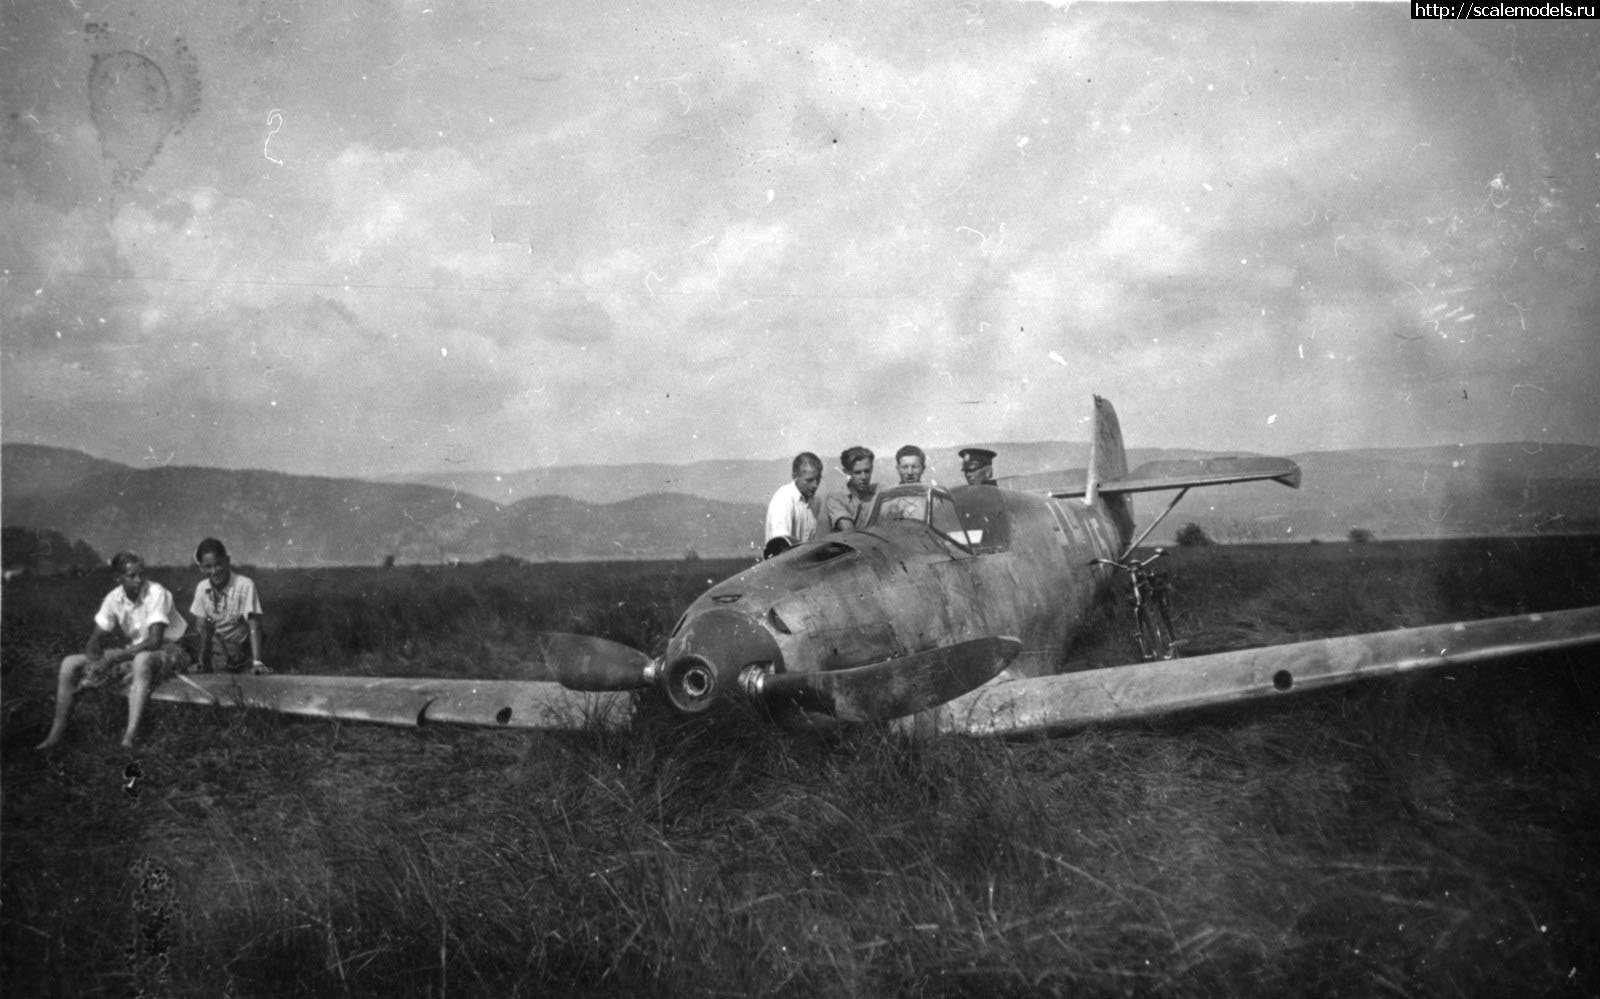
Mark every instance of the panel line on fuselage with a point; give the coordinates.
(1081, 520)
(1064, 526)
(1079, 532)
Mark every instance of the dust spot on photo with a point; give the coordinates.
(140, 94)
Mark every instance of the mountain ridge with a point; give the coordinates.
(714, 509)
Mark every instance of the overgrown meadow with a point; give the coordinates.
(1433, 836)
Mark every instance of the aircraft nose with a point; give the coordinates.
(706, 657)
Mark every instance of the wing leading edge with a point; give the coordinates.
(530, 704)
(883, 690)
(1070, 700)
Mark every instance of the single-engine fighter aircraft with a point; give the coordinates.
(949, 610)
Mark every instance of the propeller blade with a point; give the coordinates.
(895, 687)
(584, 662)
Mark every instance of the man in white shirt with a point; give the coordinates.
(793, 509)
(146, 615)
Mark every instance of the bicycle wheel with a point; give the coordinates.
(1147, 632)
(1159, 621)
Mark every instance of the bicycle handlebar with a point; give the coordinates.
(1128, 566)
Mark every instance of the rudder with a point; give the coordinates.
(1108, 462)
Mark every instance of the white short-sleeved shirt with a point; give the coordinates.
(228, 609)
(134, 617)
(791, 516)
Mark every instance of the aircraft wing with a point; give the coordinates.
(1007, 707)
(596, 677)
(1070, 700)
(533, 704)
(1186, 473)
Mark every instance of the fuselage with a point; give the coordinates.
(929, 568)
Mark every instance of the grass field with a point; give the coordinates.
(1434, 836)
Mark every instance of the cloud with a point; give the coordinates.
(803, 225)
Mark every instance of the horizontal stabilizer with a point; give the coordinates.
(1064, 482)
(1154, 476)
(1070, 700)
(408, 701)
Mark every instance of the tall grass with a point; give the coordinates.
(429, 618)
(1432, 837)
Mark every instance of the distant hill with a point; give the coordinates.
(34, 469)
(730, 481)
(715, 508)
(1477, 489)
(276, 519)
(746, 481)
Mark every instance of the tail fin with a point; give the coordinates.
(1108, 463)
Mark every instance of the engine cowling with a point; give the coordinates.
(705, 658)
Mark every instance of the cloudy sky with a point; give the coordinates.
(398, 235)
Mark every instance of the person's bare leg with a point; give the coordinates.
(66, 689)
(138, 695)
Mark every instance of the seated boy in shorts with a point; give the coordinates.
(144, 612)
(228, 612)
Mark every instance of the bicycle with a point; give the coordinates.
(1152, 630)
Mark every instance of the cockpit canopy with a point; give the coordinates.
(972, 517)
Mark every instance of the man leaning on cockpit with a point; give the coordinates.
(792, 511)
(847, 508)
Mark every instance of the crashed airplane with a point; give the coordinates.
(948, 611)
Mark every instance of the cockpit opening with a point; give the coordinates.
(982, 510)
(920, 504)
(827, 551)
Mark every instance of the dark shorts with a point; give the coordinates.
(225, 659)
(165, 664)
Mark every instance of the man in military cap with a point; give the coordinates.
(977, 464)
